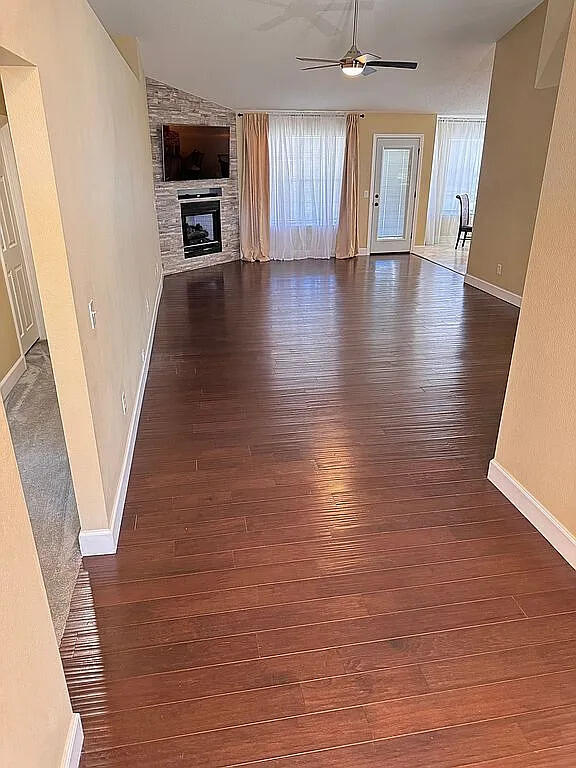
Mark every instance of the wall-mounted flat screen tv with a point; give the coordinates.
(196, 152)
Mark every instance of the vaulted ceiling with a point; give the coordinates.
(241, 53)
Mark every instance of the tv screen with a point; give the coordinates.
(196, 152)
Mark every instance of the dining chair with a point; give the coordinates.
(465, 227)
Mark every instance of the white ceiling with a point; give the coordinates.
(241, 53)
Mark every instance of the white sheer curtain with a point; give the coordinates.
(456, 169)
(306, 164)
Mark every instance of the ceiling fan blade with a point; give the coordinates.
(367, 58)
(322, 66)
(324, 61)
(369, 71)
(395, 64)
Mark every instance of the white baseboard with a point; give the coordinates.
(104, 541)
(100, 541)
(551, 528)
(493, 290)
(74, 741)
(8, 382)
(364, 252)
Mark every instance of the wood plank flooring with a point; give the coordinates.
(313, 570)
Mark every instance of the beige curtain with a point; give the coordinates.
(255, 213)
(347, 241)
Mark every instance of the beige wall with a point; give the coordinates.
(384, 122)
(517, 134)
(34, 708)
(537, 441)
(78, 120)
(79, 123)
(551, 59)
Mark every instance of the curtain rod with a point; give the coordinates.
(463, 118)
(310, 113)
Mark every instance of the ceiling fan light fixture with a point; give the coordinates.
(354, 62)
(352, 68)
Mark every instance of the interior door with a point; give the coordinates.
(14, 265)
(394, 194)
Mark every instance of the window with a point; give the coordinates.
(457, 161)
(306, 164)
(462, 172)
(311, 192)
(394, 184)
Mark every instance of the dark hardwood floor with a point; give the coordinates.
(313, 571)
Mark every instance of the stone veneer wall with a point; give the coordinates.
(170, 105)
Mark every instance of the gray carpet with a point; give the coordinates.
(36, 428)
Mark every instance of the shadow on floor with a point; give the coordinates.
(36, 428)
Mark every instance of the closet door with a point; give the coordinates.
(12, 256)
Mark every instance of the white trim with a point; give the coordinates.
(375, 136)
(74, 741)
(363, 251)
(8, 382)
(493, 290)
(551, 528)
(104, 541)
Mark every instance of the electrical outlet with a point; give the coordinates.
(499, 269)
(92, 314)
(124, 404)
(366, 194)
(147, 304)
(143, 355)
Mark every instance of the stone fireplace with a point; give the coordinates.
(198, 226)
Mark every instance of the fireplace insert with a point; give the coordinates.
(201, 227)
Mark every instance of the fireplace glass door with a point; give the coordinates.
(201, 228)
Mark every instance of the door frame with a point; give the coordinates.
(7, 149)
(375, 138)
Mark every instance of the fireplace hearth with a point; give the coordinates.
(201, 224)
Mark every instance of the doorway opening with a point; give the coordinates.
(453, 191)
(29, 393)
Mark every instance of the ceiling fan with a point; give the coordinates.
(354, 62)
